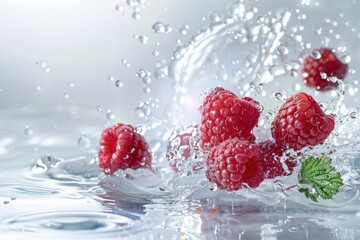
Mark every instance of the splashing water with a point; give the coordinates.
(252, 52)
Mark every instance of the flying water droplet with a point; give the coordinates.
(84, 142)
(28, 131)
(316, 54)
(119, 83)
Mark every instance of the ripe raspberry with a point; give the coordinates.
(272, 153)
(328, 65)
(233, 163)
(300, 122)
(225, 116)
(122, 147)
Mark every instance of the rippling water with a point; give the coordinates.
(52, 188)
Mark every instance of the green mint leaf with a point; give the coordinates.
(323, 179)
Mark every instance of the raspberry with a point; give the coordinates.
(316, 70)
(271, 154)
(300, 122)
(234, 163)
(225, 116)
(121, 147)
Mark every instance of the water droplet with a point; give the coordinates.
(214, 17)
(47, 70)
(296, 87)
(143, 39)
(119, 83)
(66, 96)
(161, 73)
(110, 115)
(279, 96)
(111, 78)
(277, 70)
(345, 58)
(323, 75)
(6, 202)
(282, 50)
(354, 115)
(168, 28)
(119, 7)
(147, 89)
(71, 85)
(99, 108)
(136, 15)
(316, 54)
(28, 131)
(84, 142)
(155, 53)
(158, 28)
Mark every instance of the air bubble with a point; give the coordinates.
(99, 108)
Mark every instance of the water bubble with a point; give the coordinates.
(158, 27)
(99, 108)
(119, 83)
(119, 7)
(323, 75)
(147, 89)
(345, 58)
(84, 141)
(318, 31)
(110, 115)
(136, 15)
(279, 96)
(71, 85)
(6, 202)
(315, 55)
(155, 53)
(28, 131)
(141, 73)
(168, 28)
(143, 39)
(111, 78)
(38, 88)
(354, 115)
(66, 96)
(132, 3)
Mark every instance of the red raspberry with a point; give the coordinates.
(122, 147)
(225, 116)
(300, 122)
(233, 163)
(271, 154)
(327, 64)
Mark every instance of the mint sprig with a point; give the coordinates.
(323, 179)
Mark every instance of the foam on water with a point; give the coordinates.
(250, 51)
